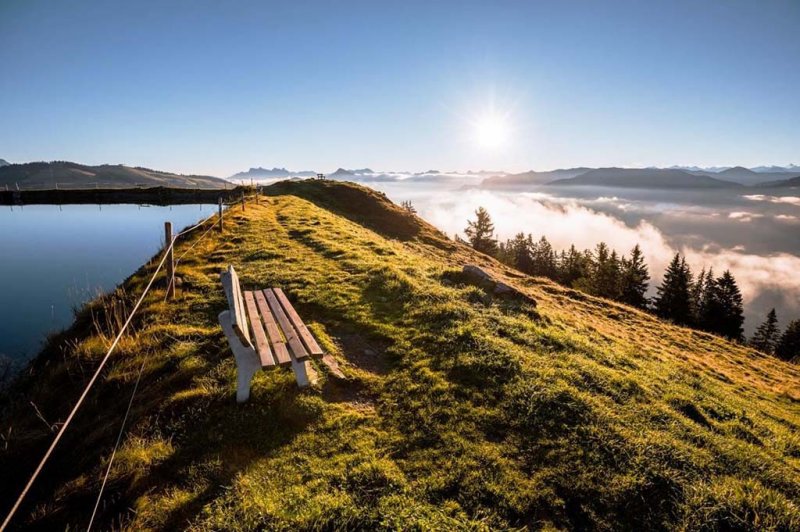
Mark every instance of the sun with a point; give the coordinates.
(491, 130)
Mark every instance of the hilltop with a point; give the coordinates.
(461, 409)
(46, 175)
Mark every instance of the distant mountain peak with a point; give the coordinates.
(342, 172)
(260, 172)
(737, 170)
(3, 162)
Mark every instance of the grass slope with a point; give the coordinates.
(459, 410)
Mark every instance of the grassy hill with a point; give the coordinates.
(44, 175)
(460, 410)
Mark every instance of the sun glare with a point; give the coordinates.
(491, 131)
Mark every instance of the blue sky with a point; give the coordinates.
(217, 87)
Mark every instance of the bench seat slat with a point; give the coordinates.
(302, 330)
(278, 345)
(262, 346)
(298, 350)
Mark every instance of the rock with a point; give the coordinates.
(477, 273)
(480, 277)
(501, 288)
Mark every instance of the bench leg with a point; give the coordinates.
(247, 361)
(304, 372)
(244, 376)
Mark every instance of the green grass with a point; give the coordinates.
(458, 411)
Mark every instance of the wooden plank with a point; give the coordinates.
(300, 327)
(230, 283)
(262, 346)
(298, 350)
(278, 346)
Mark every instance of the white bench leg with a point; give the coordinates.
(304, 373)
(243, 379)
(247, 361)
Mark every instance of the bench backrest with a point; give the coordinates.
(233, 291)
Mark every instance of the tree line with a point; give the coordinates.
(704, 301)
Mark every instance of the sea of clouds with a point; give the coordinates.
(711, 232)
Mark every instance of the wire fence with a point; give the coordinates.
(106, 185)
(167, 258)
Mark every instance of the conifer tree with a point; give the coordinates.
(572, 266)
(634, 279)
(766, 336)
(788, 347)
(725, 313)
(409, 207)
(518, 253)
(543, 259)
(708, 307)
(480, 233)
(673, 300)
(696, 295)
(604, 272)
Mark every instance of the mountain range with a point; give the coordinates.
(673, 177)
(266, 173)
(647, 178)
(42, 175)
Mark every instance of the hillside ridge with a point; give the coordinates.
(65, 174)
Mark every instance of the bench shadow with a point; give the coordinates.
(220, 445)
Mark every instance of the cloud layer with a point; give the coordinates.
(766, 280)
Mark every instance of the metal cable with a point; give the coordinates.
(116, 446)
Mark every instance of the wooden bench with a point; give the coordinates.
(264, 332)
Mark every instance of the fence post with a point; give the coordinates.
(242, 200)
(220, 214)
(170, 260)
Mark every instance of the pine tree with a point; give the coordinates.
(766, 336)
(788, 347)
(604, 271)
(725, 313)
(571, 267)
(673, 301)
(709, 306)
(516, 252)
(480, 233)
(697, 295)
(505, 253)
(409, 207)
(634, 279)
(543, 259)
